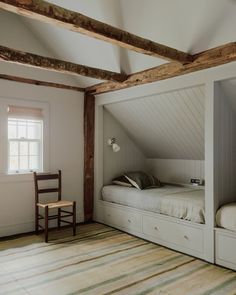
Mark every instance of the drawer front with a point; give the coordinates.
(185, 236)
(123, 219)
(226, 248)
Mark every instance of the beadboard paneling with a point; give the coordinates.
(129, 158)
(226, 147)
(176, 171)
(168, 125)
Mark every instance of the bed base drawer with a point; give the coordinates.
(225, 248)
(185, 236)
(122, 219)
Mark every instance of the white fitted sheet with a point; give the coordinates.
(176, 201)
(226, 216)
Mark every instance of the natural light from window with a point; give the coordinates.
(24, 145)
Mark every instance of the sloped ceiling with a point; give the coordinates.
(165, 126)
(20, 36)
(187, 25)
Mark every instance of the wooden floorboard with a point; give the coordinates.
(103, 260)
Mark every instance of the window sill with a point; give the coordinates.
(16, 177)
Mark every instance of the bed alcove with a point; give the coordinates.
(162, 134)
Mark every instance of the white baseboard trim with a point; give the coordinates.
(24, 227)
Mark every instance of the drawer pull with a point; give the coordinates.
(156, 228)
(186, 237)
(109, 215)
(129, 220)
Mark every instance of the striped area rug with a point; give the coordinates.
(102, 260)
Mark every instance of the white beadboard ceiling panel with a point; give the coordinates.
(165, 126)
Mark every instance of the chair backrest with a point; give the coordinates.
(38, 177)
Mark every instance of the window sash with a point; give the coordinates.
(27, 124)
(28, 155)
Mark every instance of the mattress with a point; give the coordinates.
(176, 201)
(226, 216)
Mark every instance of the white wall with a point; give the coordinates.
(66, 153)
(66, 132)
(130, 157)
(176, 171)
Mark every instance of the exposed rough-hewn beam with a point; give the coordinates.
(207, 59)
(40, 83)
(89, 129)
(50, 13)
(46, 63)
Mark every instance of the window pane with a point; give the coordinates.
(33, 148)
(34, 130)
(33, 163)
(12, 131)
(13, 148)
(22, 130)
(24, 148)
(14, 163)
(23, 162)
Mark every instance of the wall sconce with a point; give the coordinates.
(112, 142)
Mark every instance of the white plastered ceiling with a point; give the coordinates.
(187, 25)
(165, 126)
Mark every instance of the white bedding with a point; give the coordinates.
(180, 202)
(226, 216)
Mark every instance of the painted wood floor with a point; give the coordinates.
(102, 260)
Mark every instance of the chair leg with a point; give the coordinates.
(74, 218)
(46, 224)
(36, 219)
(59, 218)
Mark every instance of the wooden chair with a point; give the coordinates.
(46, 206)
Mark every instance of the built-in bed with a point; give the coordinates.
(225, 236)
(177, 201)
(172, 215)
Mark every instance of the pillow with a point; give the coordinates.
(122, 180)
(226, 216)
(142, 180)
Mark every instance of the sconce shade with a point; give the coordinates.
(115, 147)
(112, 143)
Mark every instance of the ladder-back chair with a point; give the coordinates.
(46, 206)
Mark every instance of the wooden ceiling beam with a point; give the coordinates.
(56, 65)
(40, 83)
(207, 59)
(56, 15)
(89, 132)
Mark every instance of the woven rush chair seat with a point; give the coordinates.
(57, 204)
(46, 206)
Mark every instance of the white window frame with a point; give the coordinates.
(40, 143)
(5, 175)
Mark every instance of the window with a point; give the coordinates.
(25, 139)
